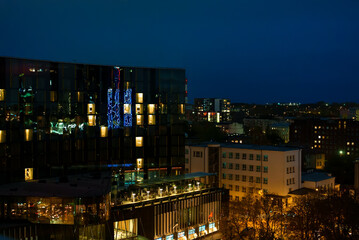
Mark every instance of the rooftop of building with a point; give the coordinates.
(315, 176)
(246, 146)
(90, 64)
(74, 186)
(302, 191)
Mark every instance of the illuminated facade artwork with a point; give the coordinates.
(91, 108)
(113, 109)
(29, 174)
(127, 116)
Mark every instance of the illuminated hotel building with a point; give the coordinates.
(97, 152)
(57, 117)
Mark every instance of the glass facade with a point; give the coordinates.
(56, 117)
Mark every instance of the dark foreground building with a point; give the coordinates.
(97, 152)
(61, 117)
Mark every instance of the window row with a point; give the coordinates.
(244, 167)
(244, 156)
(244, 190)
(290, 170)
(290, 181)
(290, 158)
(244, 178)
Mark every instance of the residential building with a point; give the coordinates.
(247, 169)
(332, 137)
(212, 109)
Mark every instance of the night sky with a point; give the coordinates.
(247, 50)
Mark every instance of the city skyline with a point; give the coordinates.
(254, 52)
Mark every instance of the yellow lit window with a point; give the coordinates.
(181, 107)
(151, 109)
(139, 97)
(91, 108)
(2, 94)
(91, 120)
(2, 136)
(139, 141)
(104, 131)
(80, 97)
(53, 96)
(139, 109)
(28, 135)
(139, 162)
(127, 108)
(151, 119)
(139, 119)
(29, 174)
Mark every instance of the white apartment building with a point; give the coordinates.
(248, 168)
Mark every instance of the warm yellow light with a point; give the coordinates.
(151, 119)
(151, 109)
(139, 162)
(80, 97)
(139, 109)
(28, 135)
(104, 131)
(182, 110)
(139, 141)
(2, 94)
(53, 96)
(139, 119)
(2, 136)
(139, 97)
(91, 120)
(91, 108)
(29, 174)
(127, 108)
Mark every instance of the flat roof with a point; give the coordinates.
(247, 146)
(315, 176)
(186, 176)
(77, 186)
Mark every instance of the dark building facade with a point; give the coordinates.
(328, 136)
(57, 118)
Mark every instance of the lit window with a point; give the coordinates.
(181, 107)
(29, 174)
(2, 136)
(91, 120)
(139, 141)
(104, 131)
(151, 109)
(151, 119)
(139, 109)
(2, 94)
(139, 119)
(91, 108)
(139, 162)
(139, 97)
(53, 96)
(28, 135)
(127, 108)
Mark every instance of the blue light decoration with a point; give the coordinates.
(113, 107)
(127, 118)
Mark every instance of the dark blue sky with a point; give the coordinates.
(246, 50)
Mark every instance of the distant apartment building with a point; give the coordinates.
(246, 169)
(212, 109)
(282, 128)
(312, 160)
(329, 136)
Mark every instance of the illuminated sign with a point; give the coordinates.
(202, 228)
(127, 116)
(169, 237)
(191, 231)
(181, 234)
